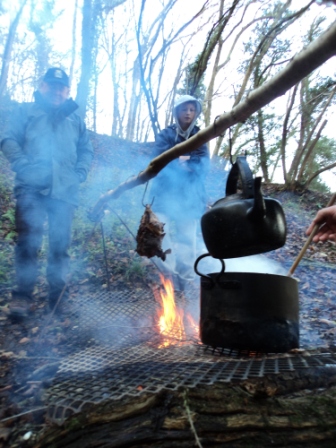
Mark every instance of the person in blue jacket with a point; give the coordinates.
(49, 149)
(179, 192)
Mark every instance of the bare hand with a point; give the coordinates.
(326, 219)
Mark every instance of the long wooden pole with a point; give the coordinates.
(309, 240)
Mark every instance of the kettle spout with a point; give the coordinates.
(258, 211)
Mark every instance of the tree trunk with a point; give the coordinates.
(304, 155)
(308, 156)
(285, 131)
(265, 43)
(211, 86)
(135, 101)
(290, 409)
(214, 37)
(88, 34)
(91, 10)
(74, 40)
(116, 129)
(317, 173)
(262, 146)
(6, 58)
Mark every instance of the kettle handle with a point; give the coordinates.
(240, 167)
(204, 275)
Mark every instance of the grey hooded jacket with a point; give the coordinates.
(49, 150)
(179, 191)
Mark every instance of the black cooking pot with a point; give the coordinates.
(244, 223)
(249, 311)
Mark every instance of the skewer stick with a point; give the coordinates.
(309, 240)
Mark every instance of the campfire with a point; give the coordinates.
(172, 318)
(161, 351)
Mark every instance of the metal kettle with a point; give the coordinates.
(246, 223)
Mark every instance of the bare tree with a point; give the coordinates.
(219, 66)
(303, 123)
(74, 42)
(214, 37)
(304, 63)
(113, 44)
(7, 55)
(148, 57)
(285, 132)
(91, 12)
(312, 123)
(274, 23)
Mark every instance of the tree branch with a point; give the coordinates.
(318, 172)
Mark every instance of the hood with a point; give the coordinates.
(181, 100)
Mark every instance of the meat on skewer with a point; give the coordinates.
(150, 235)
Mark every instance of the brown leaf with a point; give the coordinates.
(4, 434)
(331, 323)
(6, 355)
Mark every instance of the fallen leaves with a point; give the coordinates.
(4, 434)
(328, 322)
(6, 355)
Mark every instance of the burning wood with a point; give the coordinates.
(150, 235)
(171, 317)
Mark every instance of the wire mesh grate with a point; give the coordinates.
(127, 357)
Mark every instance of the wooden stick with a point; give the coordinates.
(309, 240)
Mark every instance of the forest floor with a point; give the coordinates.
(30, 351)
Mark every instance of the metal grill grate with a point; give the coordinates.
(125, 358)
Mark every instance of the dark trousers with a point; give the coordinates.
(31, 212)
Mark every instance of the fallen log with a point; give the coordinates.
(288, 409)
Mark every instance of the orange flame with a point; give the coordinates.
(170, 317)
(193, 325)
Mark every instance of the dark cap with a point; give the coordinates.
(56, 75)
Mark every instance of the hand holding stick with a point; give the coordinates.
(309, 240)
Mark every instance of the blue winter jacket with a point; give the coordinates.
(179, 192)
(49, 150)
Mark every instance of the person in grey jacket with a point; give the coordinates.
(179, 192)
(48, 147)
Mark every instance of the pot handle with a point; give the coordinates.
(242, 169)
(204, 275)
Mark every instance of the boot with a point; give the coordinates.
(20, 306)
